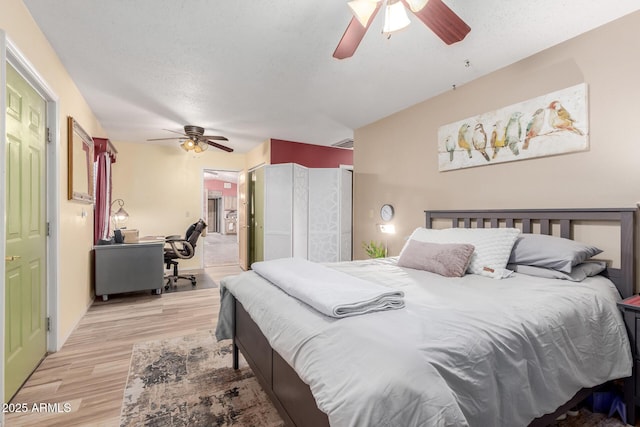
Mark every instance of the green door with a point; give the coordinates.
(256, 215)
(25, 262)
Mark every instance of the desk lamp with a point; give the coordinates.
(121, 215)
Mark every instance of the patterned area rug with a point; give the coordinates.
(189, 381)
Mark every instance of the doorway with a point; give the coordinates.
(221, 210)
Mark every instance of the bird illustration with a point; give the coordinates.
(513, 132)
(560, 119)
(534, 127)
(479, 140)
(463, 138)
(450, 145)
(498, 137)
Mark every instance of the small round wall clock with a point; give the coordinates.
(386, 212)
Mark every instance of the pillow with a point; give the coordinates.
(552, 252)
(492, 246)
(578, 272)
(445, 259)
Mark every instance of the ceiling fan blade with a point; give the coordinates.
(216, 137)
(220, 146)
(442, 21)
(353, 36)
(175, 131)
(166, 139)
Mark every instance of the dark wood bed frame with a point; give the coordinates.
(292, 397)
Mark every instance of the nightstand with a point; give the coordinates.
(630, 308)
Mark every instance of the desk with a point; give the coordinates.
(128, 267)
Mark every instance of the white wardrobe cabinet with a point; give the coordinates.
(330, 199)
(307, 213)
(286, 206)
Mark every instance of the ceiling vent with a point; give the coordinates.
(345, 143)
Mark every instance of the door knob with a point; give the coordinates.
(12, 258)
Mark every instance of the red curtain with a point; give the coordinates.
(105, 154)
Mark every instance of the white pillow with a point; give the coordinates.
(492, 246)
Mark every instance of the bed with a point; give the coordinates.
(328, 364)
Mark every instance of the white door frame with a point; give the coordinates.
(9, 53)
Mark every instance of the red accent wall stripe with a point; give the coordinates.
(311, 156)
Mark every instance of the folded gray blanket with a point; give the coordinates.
(331, 292)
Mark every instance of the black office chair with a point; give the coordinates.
(176, 248)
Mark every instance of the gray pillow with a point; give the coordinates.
(578, 273)
(552, 252)
(446, 259)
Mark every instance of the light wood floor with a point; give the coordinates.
(90, 371)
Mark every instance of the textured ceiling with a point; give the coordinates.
(252, 70)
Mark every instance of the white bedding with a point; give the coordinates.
(464, 351)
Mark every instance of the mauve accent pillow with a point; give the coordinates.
(446, 259)
(552, 252)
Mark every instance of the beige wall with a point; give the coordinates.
(395, 159)
(260, 155)
(76, 229)
(163, 187)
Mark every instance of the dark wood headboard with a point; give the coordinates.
(623, 277)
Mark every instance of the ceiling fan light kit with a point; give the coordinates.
(187, 145)
(200, 147)
(436, 15)
(395, 18)
(363, 10)
(196, 140)
(416, 5)
(190, 144)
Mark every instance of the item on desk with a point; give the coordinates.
(130, 236)
(117, 236)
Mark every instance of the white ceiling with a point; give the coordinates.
(253, 70)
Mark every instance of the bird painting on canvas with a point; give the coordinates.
(549, 124)
(513, 132)
(498, 137)
(479, 140)
(464, 137)
(560, 119)
(534, 127)
(450, 145)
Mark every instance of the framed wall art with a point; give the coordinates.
(555, 123)
(80, 163)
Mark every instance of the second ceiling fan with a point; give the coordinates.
(433, 13)
(194, 138)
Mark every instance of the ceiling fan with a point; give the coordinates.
(433, 13)
(194, 139)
